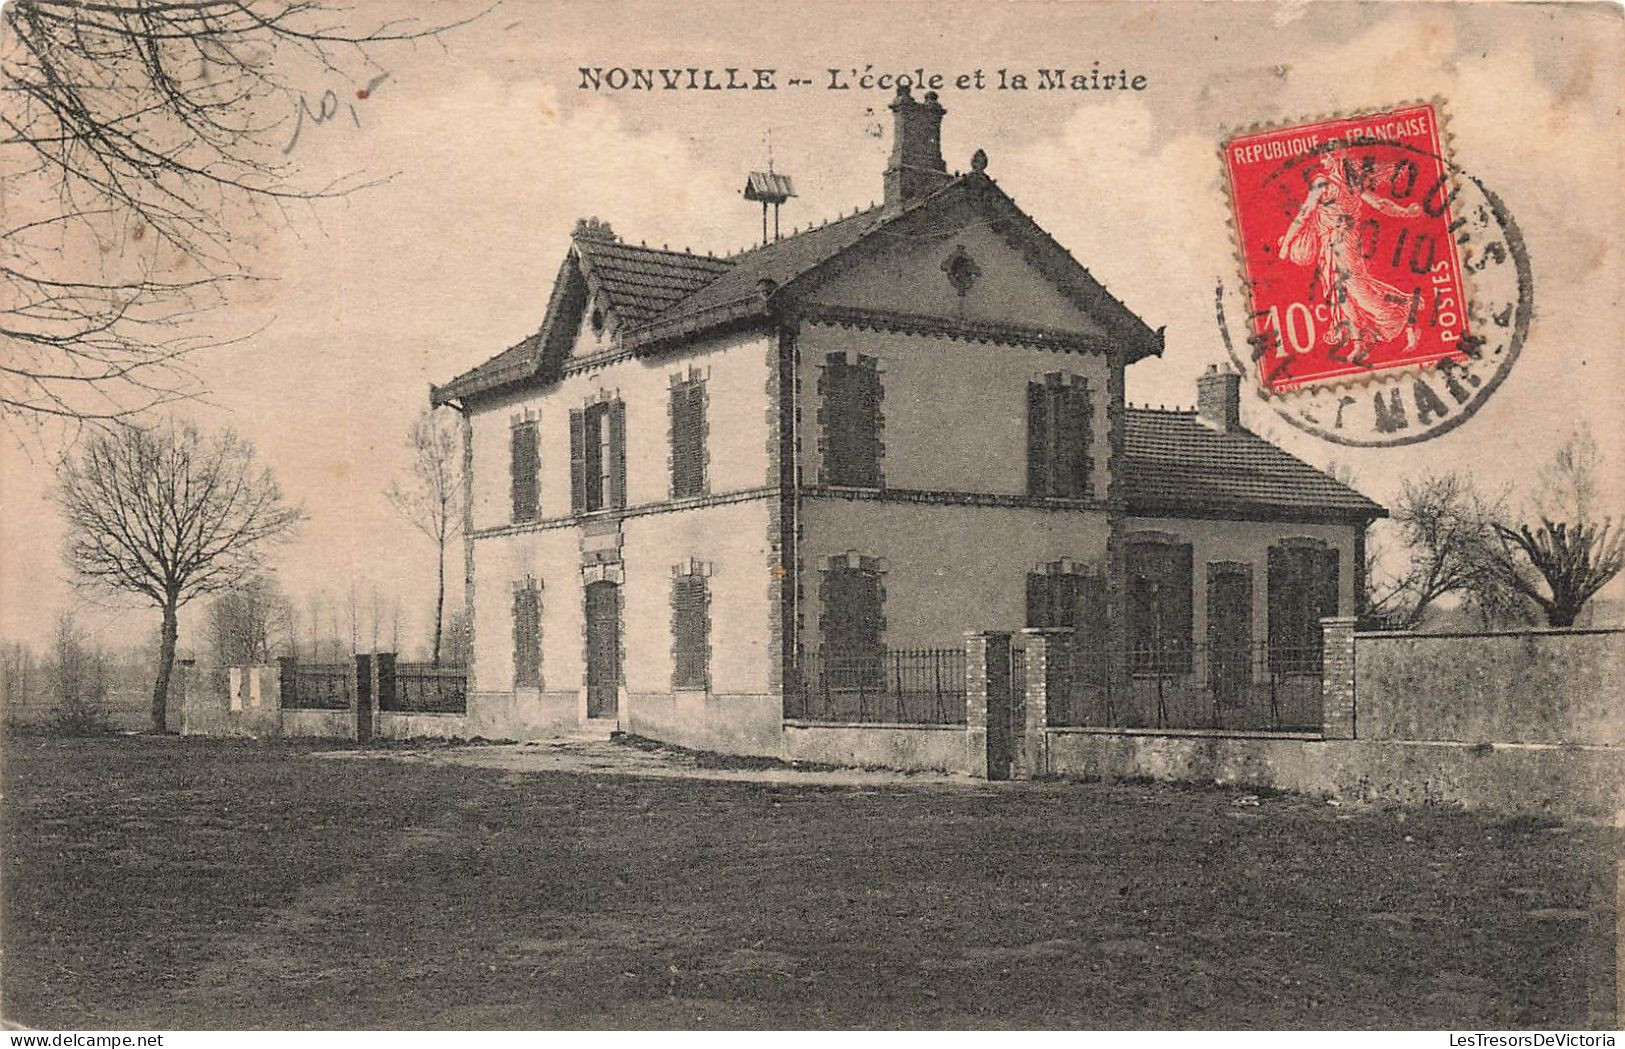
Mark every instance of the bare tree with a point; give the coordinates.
(169, 515)
(249, 623)
(1561, 565)
(1562, 562)
(139, 132)
(1444, 524)
(430, 498)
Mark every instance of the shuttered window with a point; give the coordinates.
(527, 636)
(688, 439)
(850, 448)
(1303, 586)
(1059, 418)
(691, 632)
(851, 615)
(598, 457)
(1159, 608)
(523, 463)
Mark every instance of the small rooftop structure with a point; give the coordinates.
(769, 187)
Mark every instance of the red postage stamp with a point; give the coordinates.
(1348, 248)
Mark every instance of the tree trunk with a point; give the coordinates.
(166, 663)
(439, 602)
(1559, 615)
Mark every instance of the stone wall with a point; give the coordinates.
(1531, 686)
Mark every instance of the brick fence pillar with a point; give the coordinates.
(1337, 713)
(1047, 651)
(987, 671)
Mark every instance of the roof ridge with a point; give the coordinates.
(620, 242)
(799, 232)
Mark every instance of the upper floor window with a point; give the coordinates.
(598, 457)
(849, 422)
(1303, 588)
(1158, 607)
(523, 463)
(688, 437)
(1059, 417)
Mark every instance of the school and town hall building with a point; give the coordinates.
(733, 502)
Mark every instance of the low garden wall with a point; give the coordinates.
(912, 748)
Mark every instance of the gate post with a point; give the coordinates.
(287, 680)
(363, 698)
(1338, 719)
(987, 704)
(1047, 653)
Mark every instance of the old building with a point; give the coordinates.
(739, 502)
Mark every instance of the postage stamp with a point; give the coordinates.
(1386, 291)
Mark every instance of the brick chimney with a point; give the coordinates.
(916, 167)
(1218, 398)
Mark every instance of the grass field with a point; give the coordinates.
(181, 883)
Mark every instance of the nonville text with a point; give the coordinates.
(1091, 77)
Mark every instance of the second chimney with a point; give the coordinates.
(1218, 398)
(916, 168)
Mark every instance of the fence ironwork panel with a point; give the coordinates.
(1245, 688)
(423, 688)
(322, 686)
(910, 686)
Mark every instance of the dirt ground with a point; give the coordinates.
(188, 883)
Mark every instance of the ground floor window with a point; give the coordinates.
(690, 628)
(527, 634)
(1303, 587)
(1158, 608)
(851, 620)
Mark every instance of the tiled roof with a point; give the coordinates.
(641, 283)
(1174, 462)
(780, 261)
(657, 294)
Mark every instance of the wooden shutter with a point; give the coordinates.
(522, 466)
(1089, 629)
(1063, 594)
(578, 460)
(840, 422)
(1037, 440)
(851, 614)
(1076, 441)
(1327, 580)
(851, 416)
(616, 496)
(866, 394)
(1037, 599)
(689, 626)
(1138, 599)
(527, 638)
(687, 440)
(1181, 607)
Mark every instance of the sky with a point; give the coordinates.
(485, 149)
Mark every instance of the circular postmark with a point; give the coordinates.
(1386, 292)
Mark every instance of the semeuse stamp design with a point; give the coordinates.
(1386, 291)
